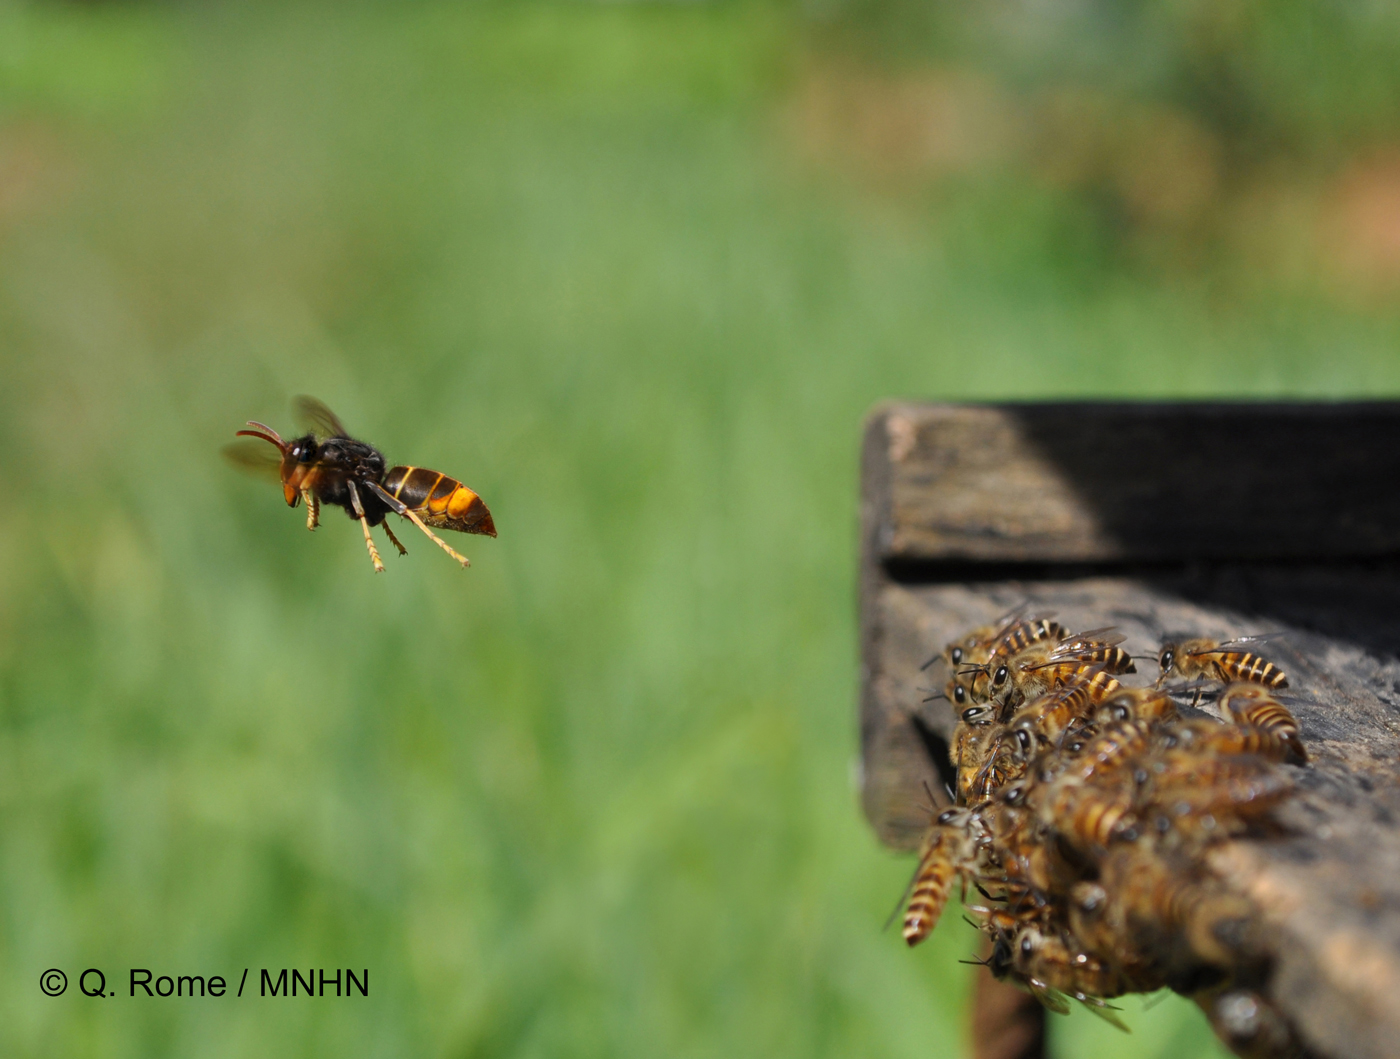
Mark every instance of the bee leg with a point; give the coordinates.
(399, 507)
(313, 509)
(393, 539)
(364, 524)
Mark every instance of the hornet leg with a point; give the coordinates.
(364, 524)
(313, 509)
(395, 540)
(399, 507)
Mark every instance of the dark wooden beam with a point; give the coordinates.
(1087, 483)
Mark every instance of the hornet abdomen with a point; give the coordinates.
(439, 500)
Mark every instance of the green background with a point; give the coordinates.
(634, 273)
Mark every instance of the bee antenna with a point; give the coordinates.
(931, 698)
(977, 962)
(949, 788)
(908, 889)
(930, 662)
(932, 801)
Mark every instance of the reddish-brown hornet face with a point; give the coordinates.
(297, 461)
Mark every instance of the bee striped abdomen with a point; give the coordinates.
(930, 892)
(439, 500)
(1252, 668)
(1025, 633)
(1113, 659)
(1259, 712)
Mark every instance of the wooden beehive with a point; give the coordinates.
(1218, 519)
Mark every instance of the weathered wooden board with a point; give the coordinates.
(1118, 482)
(935, 550)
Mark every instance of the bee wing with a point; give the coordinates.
(1097, 636)
(1079, 644)
(1263, 637)
(256, 458)
(319, 419)
(1050, 998)
(1243, 641)
(1103, 1010)
(1090, 634)
(1086, 674)
(1014, 613)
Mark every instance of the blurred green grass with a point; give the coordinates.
(593, 796)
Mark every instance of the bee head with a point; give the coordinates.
(999, 962)
(1167, 659)
(1025, 742)
(1118, 708)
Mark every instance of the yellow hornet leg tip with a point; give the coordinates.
(373, 551)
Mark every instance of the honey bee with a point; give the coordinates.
(999, 920)
(949, 850)
(1028, 637)
(1043, 721)
(1050, 969)
(1211, 737)
(1089, 817)
(973, 648)
(1248, 1024)
(1029, 862)
(1201, 798)
(1253, 707)
(969, 736)
(997, 767)
(977, 645)
(1047, 955)
(1213, 791)
(1042, 666)
(1112, 748)
(1050, 675)
(327, 466)
(1162, 914)
(1096, 646)
(1136, 704)
(1025, 633)
(1085, 810)
(1226, 662)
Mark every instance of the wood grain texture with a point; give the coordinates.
(1328, 892)
(1121, 482)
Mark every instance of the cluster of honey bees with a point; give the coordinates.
(1084, 808)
